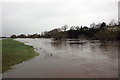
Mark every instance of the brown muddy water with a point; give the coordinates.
(64, 59)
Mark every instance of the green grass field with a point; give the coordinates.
(14, 52)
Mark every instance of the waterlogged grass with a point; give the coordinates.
(14, 52)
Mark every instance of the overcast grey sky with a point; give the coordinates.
(35, 16)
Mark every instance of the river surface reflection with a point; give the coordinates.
(69, 59)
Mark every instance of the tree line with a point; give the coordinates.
(100, 31)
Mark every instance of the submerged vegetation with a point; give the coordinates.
(14, 52)
(100, 31)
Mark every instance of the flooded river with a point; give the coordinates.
(68, 59)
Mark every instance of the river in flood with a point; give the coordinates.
(68, 59)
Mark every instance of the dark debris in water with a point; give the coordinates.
(77, 42)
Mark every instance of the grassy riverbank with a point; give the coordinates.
(14, 52)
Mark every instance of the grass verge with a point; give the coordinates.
(14, 52)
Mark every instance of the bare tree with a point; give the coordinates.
(64, 27)
(112, 23)
(93, 25)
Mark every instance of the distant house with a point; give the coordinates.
(85, 28)
(113, 28)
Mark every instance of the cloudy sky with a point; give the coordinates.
(36, 16)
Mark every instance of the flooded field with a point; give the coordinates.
(68, 59)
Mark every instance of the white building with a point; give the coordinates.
(119, 11)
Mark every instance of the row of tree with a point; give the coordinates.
(26, 36)
(98, 31)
